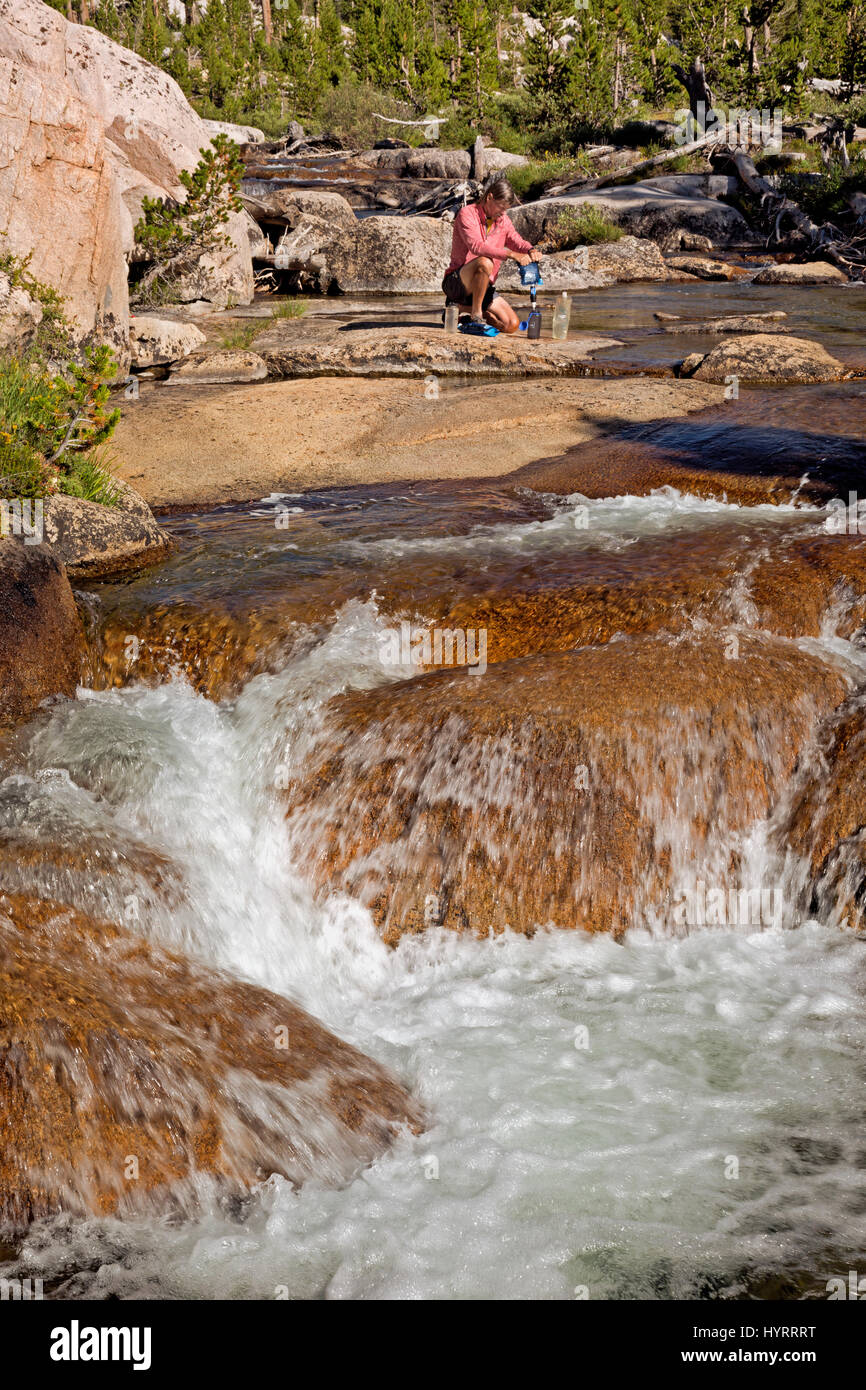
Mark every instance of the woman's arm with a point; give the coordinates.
(513, 240)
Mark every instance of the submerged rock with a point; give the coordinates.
(575, 789)
(733, 323)
(145, 1083)
(764, 358)
(41, 638)
(790, 588)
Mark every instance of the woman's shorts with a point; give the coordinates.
(456, 292)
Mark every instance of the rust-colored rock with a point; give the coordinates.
(827, 822)
(785, 585)
(132, 1080)
(561, 789)
(41, 640)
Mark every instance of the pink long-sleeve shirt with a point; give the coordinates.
(470, 239)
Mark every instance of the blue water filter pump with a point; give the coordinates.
(530, 275)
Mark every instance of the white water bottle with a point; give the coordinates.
(561, 316)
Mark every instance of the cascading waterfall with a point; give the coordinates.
(671, 1112)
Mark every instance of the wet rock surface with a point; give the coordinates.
(41, 638)
(538, 793)
(146, 1083)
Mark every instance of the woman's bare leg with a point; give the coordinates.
(476, 279)
(502, 316)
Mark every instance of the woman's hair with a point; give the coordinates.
(500, 188)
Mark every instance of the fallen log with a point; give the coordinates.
(589, 185)
(826, 239)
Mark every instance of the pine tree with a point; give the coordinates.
(477, 69)
(546, 59)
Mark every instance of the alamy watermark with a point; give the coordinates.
(23, 516)
(21, 1290)
(434, 646)
(732, 907)
(732, 126)
(846, 519)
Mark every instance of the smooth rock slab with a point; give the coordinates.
(812, 273)
(646, 209)
(735, 323)
(704, 268)
(421, 352)
(221, 368)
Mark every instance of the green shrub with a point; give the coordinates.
(348, 111)
(586, 227)
(51, 422)
(240, 338)
(530, 180)
(91, 476)
(824, 196)
(53, 336)
(289, 309)
(174, 236)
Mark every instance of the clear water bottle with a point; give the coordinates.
(561, 316)
(452, 318)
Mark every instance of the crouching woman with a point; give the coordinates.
(484, 237)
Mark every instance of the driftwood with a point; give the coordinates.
(848, 253)
(663, 157)
(589, 185)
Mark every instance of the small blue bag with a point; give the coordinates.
(530, 274)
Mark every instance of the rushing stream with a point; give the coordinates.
(665, 1114)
